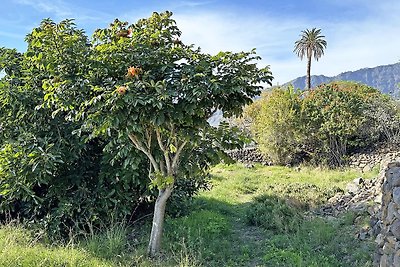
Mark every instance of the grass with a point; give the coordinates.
(250, 217)
(18, 247)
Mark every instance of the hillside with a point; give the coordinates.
(385, 78)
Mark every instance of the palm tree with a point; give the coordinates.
(311, 44)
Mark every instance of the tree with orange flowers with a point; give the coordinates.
(172, 89)
(134, 94)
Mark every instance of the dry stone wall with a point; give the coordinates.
(367, 160)
(388, 239)
(364, 160)
(248, 155)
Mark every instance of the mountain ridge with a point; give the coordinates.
(384, 77)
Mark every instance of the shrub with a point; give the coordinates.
(334, 122)
(323, 124)
(275, 118)
(384, 113)
(272, 213)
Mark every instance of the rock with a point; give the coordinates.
(359, 207)
(363, 235)
(396, 259)
(388, 248)
(358, 181)
(378, 198)
(352, 188)
(396, 195)
(391, 210)
(395, 228)
(386, 261)
(394, 164)
(396, 180)
(249, 165)
(380, 239)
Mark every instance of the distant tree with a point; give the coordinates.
(323, 125)
(311, 44)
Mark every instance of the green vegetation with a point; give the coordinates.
(322, 125)
(275, 123)
(95, 132)
(218, 232)
(112, 122)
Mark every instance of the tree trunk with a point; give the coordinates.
(309, 71)
(158, 221)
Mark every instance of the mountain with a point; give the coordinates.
(385, 78)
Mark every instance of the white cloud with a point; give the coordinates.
(60, 9)
(273, 39)
(57, 7)
(352, 44)
(370, 40)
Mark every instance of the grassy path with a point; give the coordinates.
(227, 239)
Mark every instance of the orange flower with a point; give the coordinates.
(132, 72)
(121, 90)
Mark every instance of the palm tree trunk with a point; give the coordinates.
(309, 70)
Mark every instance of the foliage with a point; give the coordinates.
(275, 123)
(311, 44)
(324, 124)
(334, 120)
(384, 112)
(100, 119)
(48, 173)
(272, 213)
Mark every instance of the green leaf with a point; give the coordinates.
(172, 148)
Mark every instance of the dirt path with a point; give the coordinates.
(251, 240)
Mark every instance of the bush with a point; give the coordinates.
(275, 119)
(384, 113)
(272, 213)
(334, 122)
(323, 124)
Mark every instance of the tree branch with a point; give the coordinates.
(165, 151)
(149, 139)
(139, 145)
(175, 161)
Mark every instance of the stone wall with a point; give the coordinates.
(248, 155)
(363, 160)
(388, 239)
(366, 160)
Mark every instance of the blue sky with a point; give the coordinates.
(360, 33)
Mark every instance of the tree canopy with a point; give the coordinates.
(136, 93)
